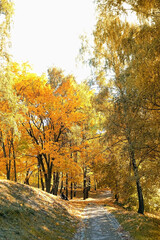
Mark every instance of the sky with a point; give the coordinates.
(47, 33)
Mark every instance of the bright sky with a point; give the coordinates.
(46, 33)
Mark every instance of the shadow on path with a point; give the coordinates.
(98, 225)
(98, 222)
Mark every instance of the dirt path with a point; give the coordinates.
(98, 223)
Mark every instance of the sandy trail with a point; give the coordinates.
(98, 223)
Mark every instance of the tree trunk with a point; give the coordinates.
(14, 157)
(61, 184)
(47, 183)
(89, 184)
(57, 182)
(87, 192)
(140, 197)
(42, 182)
(84, 183)
(116, 194)
(116, 197)
(71, 190)
(8, 164)
(48, 178)
(47, 173)
(95, 184)
(139, 188)
(38, 176)
(8, 169)
(67, 185)
(75, 187)
(54, 183)
(26, 181)
(49, 164)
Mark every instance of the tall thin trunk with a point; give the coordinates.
(54, 183)
(95, 184)
(61, 184)
(67, 185)
(89, 183)
(48, 175)
(42, 182)
(40, 164)
(7, 164)
(8, 167)
(38, 172)
(26, 181)
(139, 188)
(84, 183)
(38, 176)
(87, 192)
(71, 190)
(132, 157)
(14, 158)
(75, 187)
(116, 193)
(87, 186)
(57, 182)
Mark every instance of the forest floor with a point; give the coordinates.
(30, 213)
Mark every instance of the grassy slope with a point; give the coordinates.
(140, 227)
(29, 213)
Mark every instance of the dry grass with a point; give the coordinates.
(141, 227)
(29, 213)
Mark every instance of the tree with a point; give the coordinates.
(87, 136)
(7, 95)
(56, 77)
(124, 100)
(9, 107)
(50, 117)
